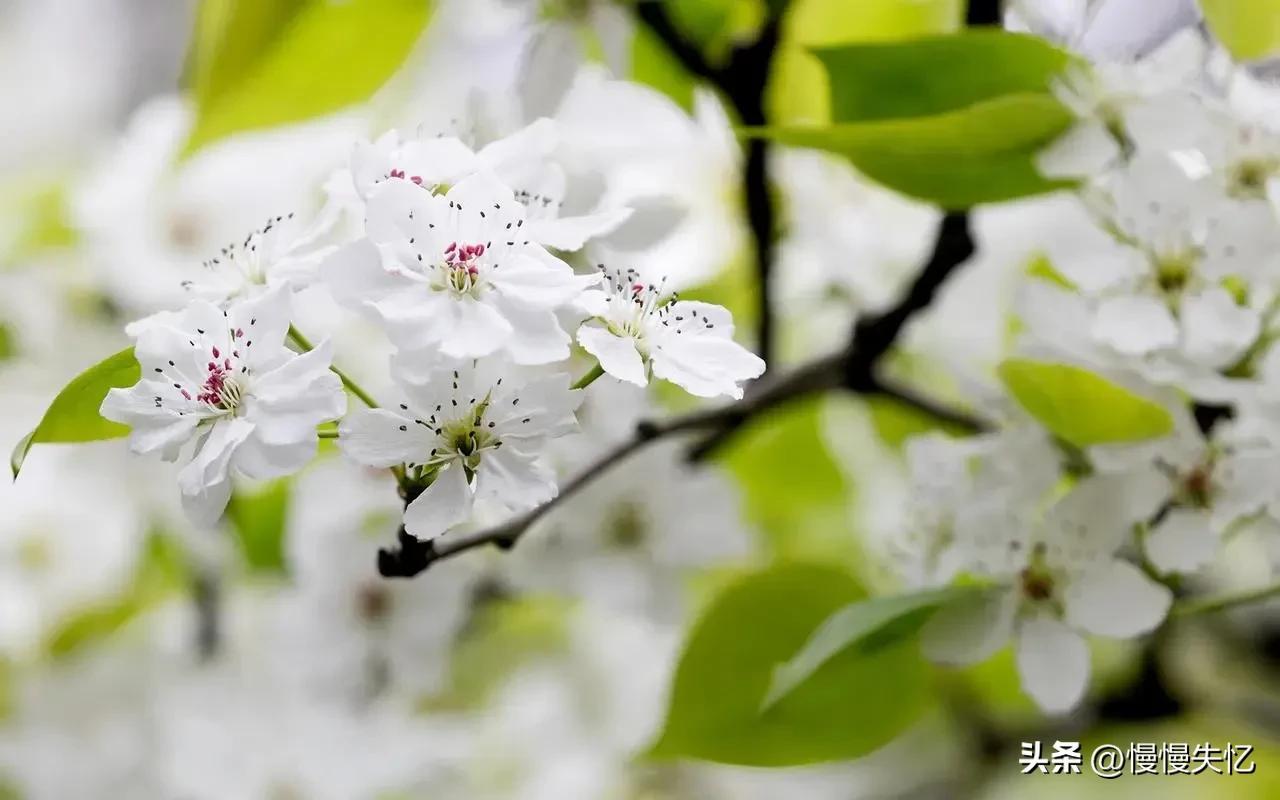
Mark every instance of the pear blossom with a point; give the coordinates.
(637, 330)
(224, 380)
(1056, 582)
(280, 253)
(1171, 282)
(523, 160)
(474, 429)
(1212, 483)
(457, 273)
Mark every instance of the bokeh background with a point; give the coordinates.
(141, 658)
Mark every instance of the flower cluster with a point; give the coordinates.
(1162, 278)
(459, 262)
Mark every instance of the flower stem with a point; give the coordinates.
(1212, 605)
(589, 378)
(329, 434)
(304, 343)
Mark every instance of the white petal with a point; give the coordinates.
(536, 279)
(570, 234)
(706, 366)
(617, 355)
(212, 458)
(1182, 541)
(538, 337)
(444, 504)
(1216, 331)
(514, 479)
(1083, 151)
(476, 329)
(374, 437)
(971, 630)
(1135, 325)
(1053, 662)
(205, 506)
(262, 460)
(1116, 599)
(355, 275)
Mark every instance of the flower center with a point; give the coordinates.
(399, 175)
(220, 389)
(460, 268)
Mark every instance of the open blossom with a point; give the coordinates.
(523, 161)
(280, 253)
(475, 429)
(223, 379)
(457, 273)
(638, 329)
(1056, 582)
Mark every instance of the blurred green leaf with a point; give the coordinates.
(957, 159)
(258, 520)
(653, 65)
(791, 485)
(937, 74)
(161, 571)
(853, 704)
(8, 344)
(502, 636)
(1082, 407)
(73, 415)
(229, 37)
(36, 217)
(865, 627)
(305, 63)
(896, 422)
(1250, 29)
(798, 87)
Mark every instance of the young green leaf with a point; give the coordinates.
(326, 57)
(1082, 407)
(982, 153)
(863, 627)
(258, 519)
(936, 74)
(229, 37)
(73, 414)
(852, 704)
(1250, 29)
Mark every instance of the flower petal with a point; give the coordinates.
(1182, 541)
(377, 437)
(1116, 599)
(971, 630)
(445, 503)
(1053, 662)
(1135, 325)
(617, 355)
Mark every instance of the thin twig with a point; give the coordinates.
(305, 345)
(1212, 605)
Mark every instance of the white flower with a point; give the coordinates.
(524, 161)
(1211, 486)
(224, 379)
(1058, 582)
(637, 329)
(280, 253)
(474, 429)
(457, 273)
(1171, 283)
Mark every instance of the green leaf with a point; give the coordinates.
(258, 519)
(853, 704)
(798, 86)
(1250, 29)
(864, 627)
(1081, 407)
(934, 75)
(73, 414)
(792, 486)
(230, 36)
(161, 570)
(980, 154)
(325, 57)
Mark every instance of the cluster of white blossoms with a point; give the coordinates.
(459, 261)
(1166, 281)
